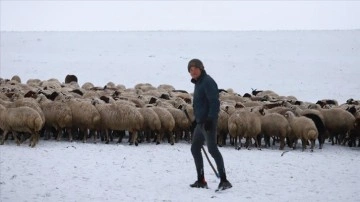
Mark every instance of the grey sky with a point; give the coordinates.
(178, 15)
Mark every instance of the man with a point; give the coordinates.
(206, 109)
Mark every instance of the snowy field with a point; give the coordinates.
(310, 65)
(63, 171)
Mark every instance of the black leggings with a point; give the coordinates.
(198, 138)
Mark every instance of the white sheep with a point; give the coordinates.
(302, 128)
(152, 121)
(57, 115)
(182, 122)
(244, 123)
(338, 122)
(222, 127)
(116, 116)
(274, 125)
(167, 124)
(84, 115)
(20, 119)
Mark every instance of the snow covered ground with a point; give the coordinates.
(63, 171)
(310, 65)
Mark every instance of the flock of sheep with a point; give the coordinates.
(52, 109)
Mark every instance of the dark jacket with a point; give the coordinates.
(206, 98)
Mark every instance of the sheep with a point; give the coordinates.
(16, 78)
(57, 115)
(188, 110)
(144, 87)
(181, 94)
(324, 102)
(319, 121)
(352, 101)
(152, 121)
(33, 82)
(51, 84)
(4, 97)
(337, 122)
(244, 123)
(167, 124)
(117, 116)
(71, 78)
(222, 126)
(29, 102)
(302, 128)
(274, 125)
(157, 93)
(166, 87)
(261, 93)
(84, 115)
(87, 86)
(20, 119)
(223, 96)
(165, 104)
(182, 122)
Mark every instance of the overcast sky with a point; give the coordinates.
(177, 15)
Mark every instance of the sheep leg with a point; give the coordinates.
(86, 133)
(147, 134)
(248, 143)
(236, 144)
(258, 145)
(134, 138)
(282, 143)
(95, 136)
(159, 137)
(177, 136)
(70, 134)
(33, 139)
(312, 145)
(303, 142)
(258, 141)
(219, 140)
(16, 138)
(172, 139)
(121, 135)
(59, 135)
(321, 140)
(107, 136)
(267, 140)
(4, 137)
(295, 143)
(46, 134)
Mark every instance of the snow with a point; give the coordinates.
(310, 65)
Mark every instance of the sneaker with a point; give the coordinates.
(224, 185)
(199, 184)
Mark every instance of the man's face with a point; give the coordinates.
(195, 72)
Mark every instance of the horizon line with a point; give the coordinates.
(160, 30)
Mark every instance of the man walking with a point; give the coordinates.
(206, 109)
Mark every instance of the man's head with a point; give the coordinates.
(195, 67)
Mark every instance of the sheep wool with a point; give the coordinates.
(302, 128)
(20, 119)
